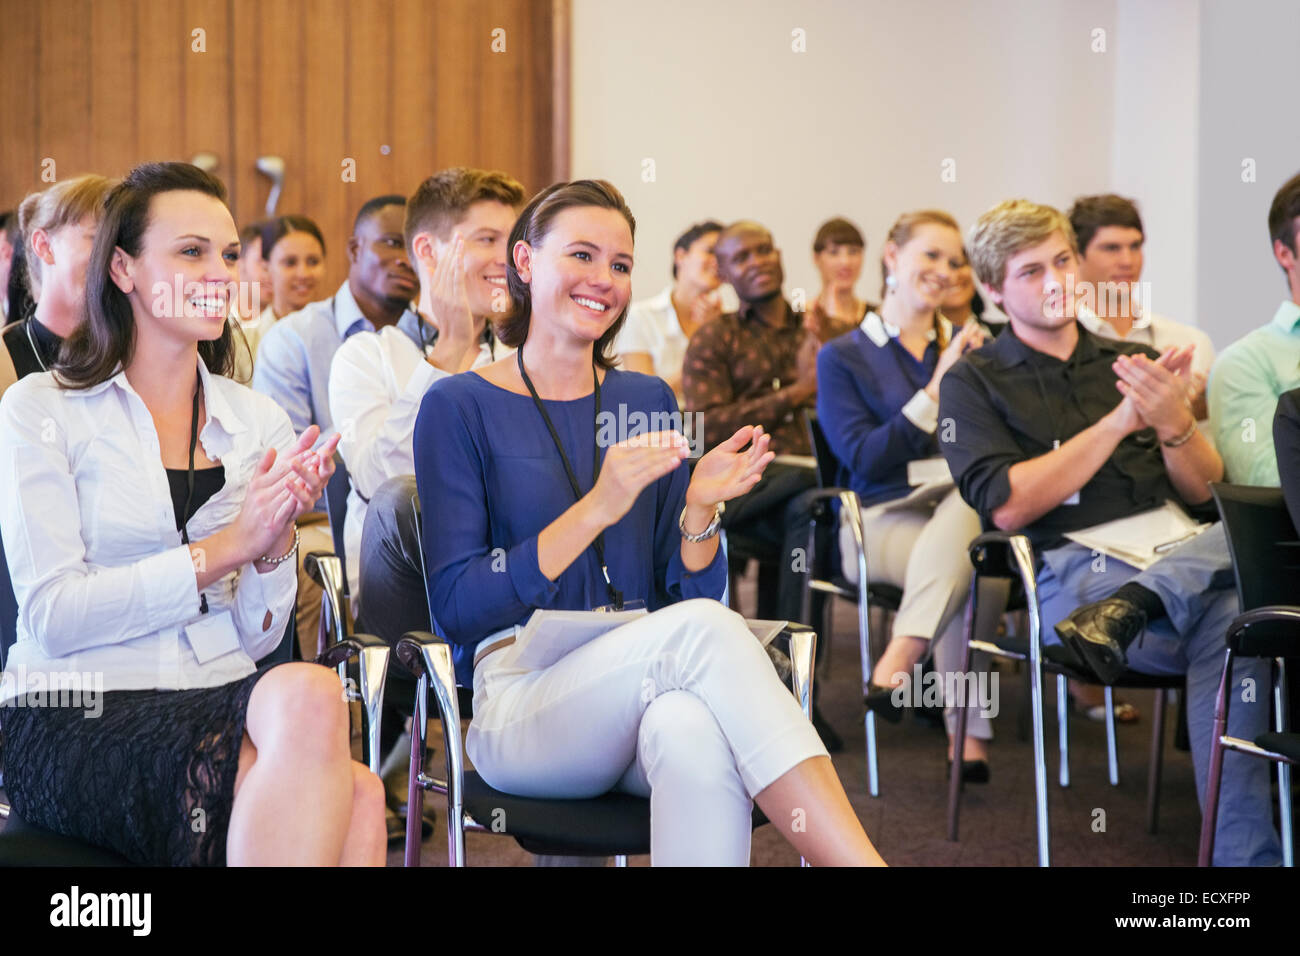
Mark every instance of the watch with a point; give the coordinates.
(707, 533)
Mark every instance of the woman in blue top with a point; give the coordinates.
(877, 402)
(681, 704)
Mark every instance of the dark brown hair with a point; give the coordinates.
(1090, 213)
(838, 232)
(441, 200)
(1283, 212)
(105, 341)
(691, 236)
(273, 230)
(532, 227)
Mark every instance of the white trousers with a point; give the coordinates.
(682, 705)
(923, 550)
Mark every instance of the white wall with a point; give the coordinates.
(1155, 159)
(1247, 111)
(739, 125)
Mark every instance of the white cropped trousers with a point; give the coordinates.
(682, 705)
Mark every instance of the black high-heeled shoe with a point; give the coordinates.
(881, 700)
(972, 771)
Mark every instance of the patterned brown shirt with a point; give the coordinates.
(739, 371)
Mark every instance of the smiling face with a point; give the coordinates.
(839, 264)
(924, 265)
(1114, 254)
(1034, 291)
(190, 245)
(378, 254)
(580, 274)
(297, 268)
(750, 261)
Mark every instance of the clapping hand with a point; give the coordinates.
(727, 472)
(1158, 389)
(281, 490)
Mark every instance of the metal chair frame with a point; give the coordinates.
(428, 657)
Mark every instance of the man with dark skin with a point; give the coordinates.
(759, 366)
(380, 275)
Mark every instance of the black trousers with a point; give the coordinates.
(774, 515)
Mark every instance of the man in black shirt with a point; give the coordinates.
(1050, 430)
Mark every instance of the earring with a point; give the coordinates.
(891, 282)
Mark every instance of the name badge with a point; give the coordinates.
(212, 636)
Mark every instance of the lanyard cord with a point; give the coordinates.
(615, 595)
(189, 485)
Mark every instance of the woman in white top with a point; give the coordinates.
(838, 250)
(153, 564)
(658, 329)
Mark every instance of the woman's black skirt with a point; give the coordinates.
(152, 777)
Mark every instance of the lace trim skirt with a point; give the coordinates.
(152, 777)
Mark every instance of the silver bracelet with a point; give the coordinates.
(704, 535)
(287, 555)
(1182, 439)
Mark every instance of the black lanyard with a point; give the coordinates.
(189, 485)
(615, 595)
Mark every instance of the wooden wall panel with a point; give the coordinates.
(114, 127)
(19, 103)
(247, 189)
(63, 85)
(207, 82)
(328, 199)
(281, 101)
(160, 80)
(414, 50)
(104, 84)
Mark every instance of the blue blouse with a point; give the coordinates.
(861, 390)
(490, 479)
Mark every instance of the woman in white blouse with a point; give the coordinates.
(658, 329)
(149, 528)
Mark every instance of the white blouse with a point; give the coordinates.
(103, 582)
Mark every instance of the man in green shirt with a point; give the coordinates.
(1254, 371)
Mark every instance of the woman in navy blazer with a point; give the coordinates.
(877, 402)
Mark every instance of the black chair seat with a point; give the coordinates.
(1288, 744)
(22, 844)
(1060, 661)
(884, 596)
(615, 824)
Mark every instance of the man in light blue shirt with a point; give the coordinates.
(1254, 371)
(295, 354)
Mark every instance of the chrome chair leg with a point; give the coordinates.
(1112, 749)
(1281, 723)
(1214, 776)
(1156, 761)
(372, 675)
(1025, 563)
(1063, 726)
(850, 512)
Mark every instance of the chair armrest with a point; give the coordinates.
(372, 675)
(997, 554)
(1270, 631)
(799, 642)
(428, 657)
(326, 570)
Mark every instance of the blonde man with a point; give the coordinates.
(1051, 430)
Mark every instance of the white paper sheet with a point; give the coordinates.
(1142, 539)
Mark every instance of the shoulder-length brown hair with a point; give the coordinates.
(532, 227)
(104, 341)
